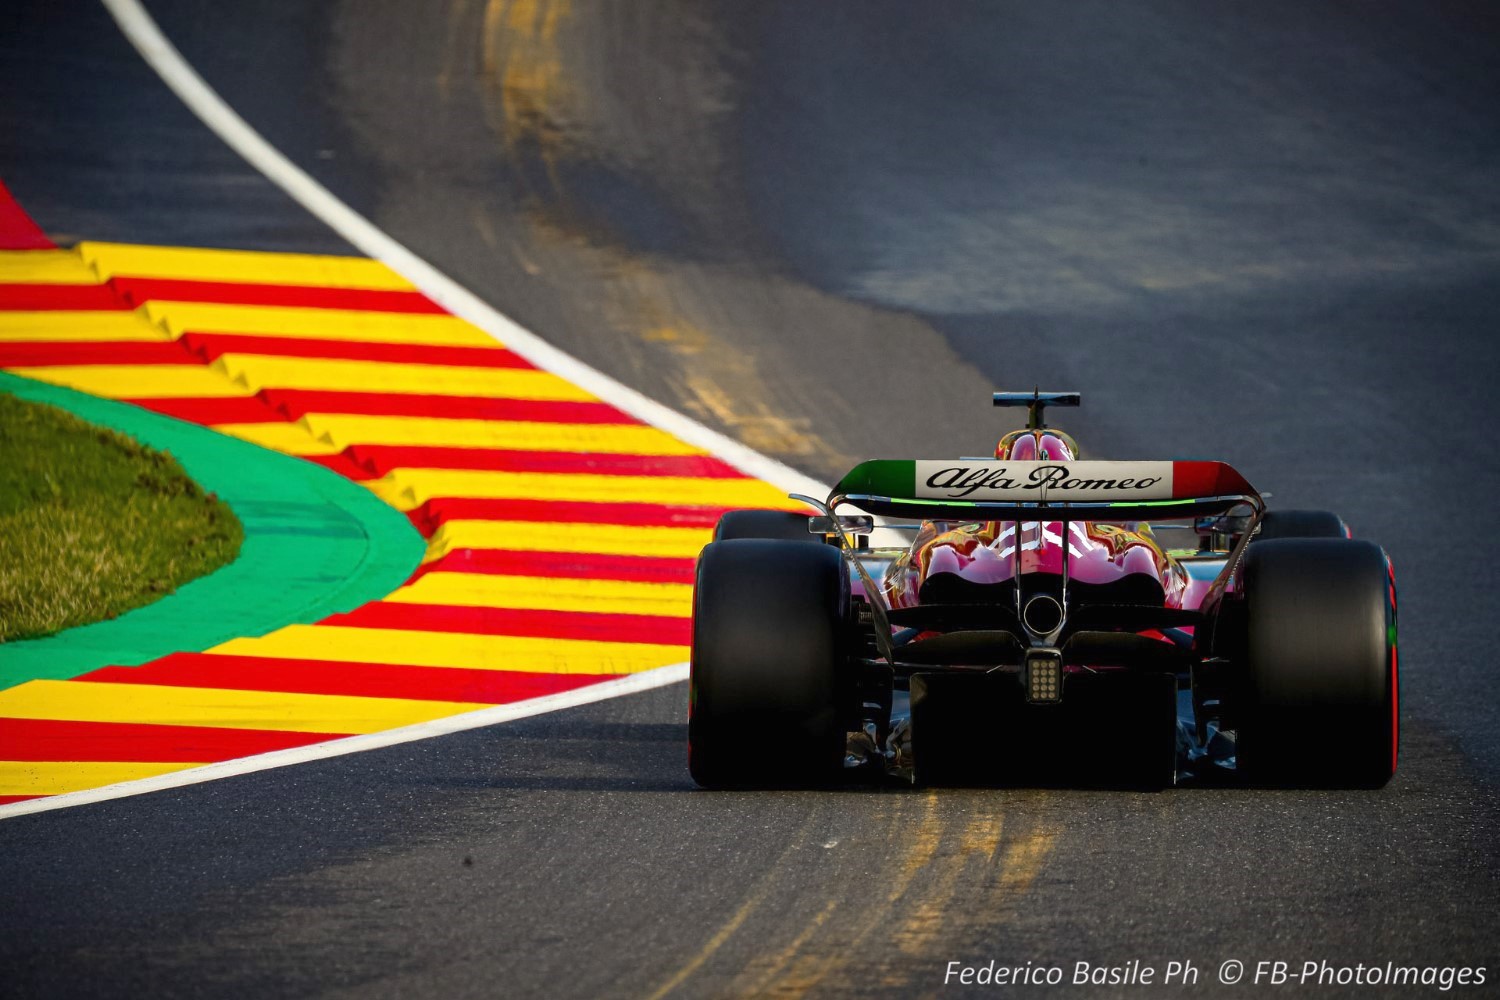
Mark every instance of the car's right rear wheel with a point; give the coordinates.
(770, 694)
(1318, 700)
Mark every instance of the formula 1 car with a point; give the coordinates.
(1036, 624)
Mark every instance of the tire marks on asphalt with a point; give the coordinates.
(956, 864)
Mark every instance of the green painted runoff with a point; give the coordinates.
(315, 544)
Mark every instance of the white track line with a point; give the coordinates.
(195, 92)
(628, 684)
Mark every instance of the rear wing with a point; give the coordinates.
(947, 490)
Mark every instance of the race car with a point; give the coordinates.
(1035, 618)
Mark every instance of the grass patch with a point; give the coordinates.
(93, 523)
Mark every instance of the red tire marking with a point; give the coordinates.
(439, 509)
(563, 565)
(66, 298)
(136, 290)
(300, 402)
(1390, 569)
(48, 739)
(378, 460)
(1395, 712)
(210, 346)
(17, 230)
(45, 353)
(255, 409)
(512, 622)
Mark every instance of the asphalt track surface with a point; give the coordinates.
(1265, 234)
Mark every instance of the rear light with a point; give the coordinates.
(1043, 676)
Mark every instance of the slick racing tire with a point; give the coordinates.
(782, 524)
(770, 688)
(1301, 524)
(1318, 700)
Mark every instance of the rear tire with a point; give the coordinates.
(1301, 524)
(782, 524)
(1318, 701)
(770, 690)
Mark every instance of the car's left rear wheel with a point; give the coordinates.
(783, 524)
(770, 692)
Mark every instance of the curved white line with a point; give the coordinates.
(211, 109)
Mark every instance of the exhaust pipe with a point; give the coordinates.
(1042, 615)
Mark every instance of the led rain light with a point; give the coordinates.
(1044, 677)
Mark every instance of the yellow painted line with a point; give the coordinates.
(810, 969)
(982, 835)
(294, 438)
(926, 915)
(336, 431)
(405, 489)
(483, 590)
(264, 371)
(922, 847)
(454, 649)
(49, 777)
(713, 944)
(138, 381)
(762, 889)
(70, 325)
(241, 266)
(424, 329)
(1023, 861)
(45, 267)
(244, 375)
(83, 701)
(547, 536)
(774, 966)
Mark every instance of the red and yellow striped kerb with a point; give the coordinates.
(561, 532)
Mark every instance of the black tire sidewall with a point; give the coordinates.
(1317, 697)
(769, 676)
